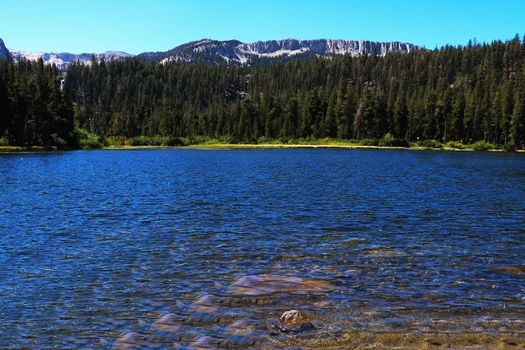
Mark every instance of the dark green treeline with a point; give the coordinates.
(470, 93)
(33, 109)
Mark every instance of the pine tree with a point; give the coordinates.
(401, 116)
(517, 127)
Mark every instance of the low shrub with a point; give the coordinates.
(390, 141)
(175, 141)
(146, 141)
(117, 141)
(198, 139)
(57, 141)
(455, 145)
(482, 146)
(232, 139)
(90, 140)
(268, 140)
(90, 143)
(428, 144)
(369, 142)
(4, 141)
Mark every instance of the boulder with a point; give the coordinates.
(292, 321)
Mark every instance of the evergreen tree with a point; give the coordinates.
(465, 93)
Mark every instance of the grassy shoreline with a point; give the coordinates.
(213, 146)
(6, 149)
(87, 140)
(276, 145)
(247, 146)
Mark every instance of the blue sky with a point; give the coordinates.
(158, 25)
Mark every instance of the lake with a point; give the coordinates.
(150, 248)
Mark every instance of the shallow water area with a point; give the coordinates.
(194, 249)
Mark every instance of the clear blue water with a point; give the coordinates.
(94, 244)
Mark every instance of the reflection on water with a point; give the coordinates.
(200, 249)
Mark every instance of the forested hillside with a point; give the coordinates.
(470, 93)
(33, 109)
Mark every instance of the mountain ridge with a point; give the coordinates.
(63, 59)
(228, 51)
(235, 51)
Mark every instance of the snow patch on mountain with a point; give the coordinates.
(63, 59)
(226, 52)
(233, 51)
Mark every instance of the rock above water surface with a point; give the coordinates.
(292, 321)
(293, 318)
(269, 284)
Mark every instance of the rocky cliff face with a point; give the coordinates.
(227, 52)
(325, 47)
(233, 51)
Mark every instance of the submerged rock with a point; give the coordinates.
(241, 327)
(384, 252)
(269, 284)
(127, 341)
(166, 323)
(515, 270)
(292, 321)
(203, 343)
(204, 304)
(354, 241)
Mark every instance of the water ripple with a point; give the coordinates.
(143, 248)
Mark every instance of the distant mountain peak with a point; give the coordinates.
(63, 59)
(227, 51)
(234, 51)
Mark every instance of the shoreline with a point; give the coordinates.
(239, 146)
(413, 340)
(231, 146)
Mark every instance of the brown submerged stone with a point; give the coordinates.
(203, 343)
(515, 270)
(384, 252)
(204, 304)
(241, 327)
(127, 341)
(270, 284)
(166, 323)
(292, 321)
